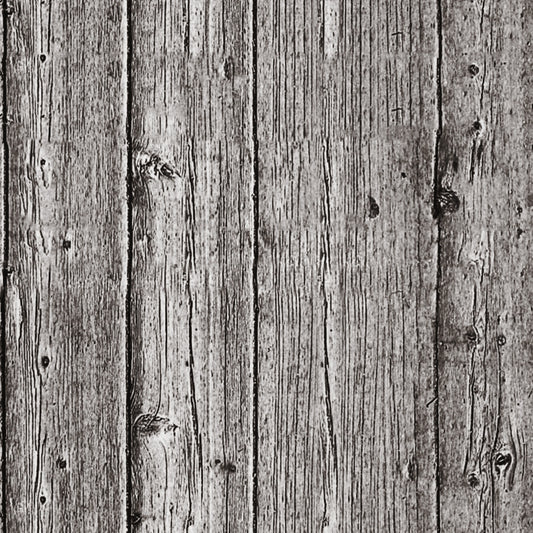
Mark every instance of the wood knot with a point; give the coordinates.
(502, 461)
(373, 207)
(148, 167)
(473, 480)
(226, 467)
(471, 335)
(446, 201)
(152, 425)
(151, 166)
(135, 519)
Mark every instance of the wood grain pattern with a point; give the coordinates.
(192, 265)
(266, 266)
(65, 323)
(3, 296)
(485, 322)
(347, 266)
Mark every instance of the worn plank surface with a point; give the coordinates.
(3, 298)
(485, 289)
(65, 323)
(266, 265)
(192, 265)
(347, 266)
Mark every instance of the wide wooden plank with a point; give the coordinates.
(191, 265)
(486, 320)
(65, 323)
(347, 265)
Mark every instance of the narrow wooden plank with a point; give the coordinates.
(65, 360)
(347, 265)
(192, 265)
(3, 299)
(485, 348)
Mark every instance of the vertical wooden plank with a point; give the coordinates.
(347, 265)
(192, 265)
(485, 348)
(65, 360)
(3, 240)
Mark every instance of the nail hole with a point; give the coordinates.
(473, 69)
(61, 463)
(42, 58)
(411, 470)
(42, 499)
(501, 340)
(228, 68)
(45, 361)
(455, 163)
(374, 207)
(67, 244)
(43, 162)
(477, 125)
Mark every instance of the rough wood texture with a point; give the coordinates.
(347, 266)
(485, 289)
(192, 265)
(65, 325)
(267, 266)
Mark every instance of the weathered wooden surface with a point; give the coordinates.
(192, 265)
(65, 330)
(267, 266)
(485, 289)
(347, 266)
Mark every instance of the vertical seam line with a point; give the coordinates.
(255, 354)
(5, 269)
(436, 189)
(129, 185)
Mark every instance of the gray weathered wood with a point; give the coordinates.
(4, 276)
(347, 265)
(192, 265)
(65, 328)
(486, 320)
(380, 220)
